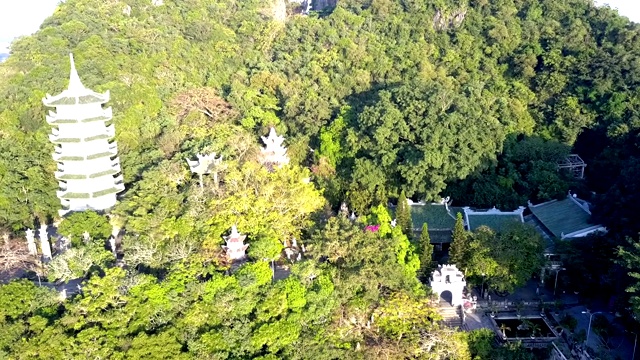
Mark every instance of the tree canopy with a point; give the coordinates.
(376, 99)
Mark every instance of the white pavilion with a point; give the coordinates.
(88, 167)
(274, 153)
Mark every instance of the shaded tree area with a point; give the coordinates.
(590, 268)
(527, 170)
(506, 259)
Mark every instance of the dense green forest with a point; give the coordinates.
(475, 99)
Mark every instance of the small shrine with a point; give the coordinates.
(206, 164)
(31, 242)
(449, 278)
(574, 165)
(274, 153)
(235, 248)
(292, 250)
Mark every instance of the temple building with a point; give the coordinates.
(235, 247)
(274, 154)
(493, 218)
(89, 172)
(441, 219)
(565, 219)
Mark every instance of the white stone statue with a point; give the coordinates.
(63, 244)
(353, 216)
(274, 153)
(289, 253)
(112, 245)
(344, 210)
(44, 243)
(31, 242)
(86, 237)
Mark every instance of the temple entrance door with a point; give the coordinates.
(446, 298)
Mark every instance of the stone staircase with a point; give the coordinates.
(451, 315)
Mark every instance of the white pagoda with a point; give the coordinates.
(274, 153)
(88, 167)
(235, 247)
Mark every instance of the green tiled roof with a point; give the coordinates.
(435, 215)
(562, 217)
(496, 222)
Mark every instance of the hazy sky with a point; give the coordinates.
(23, 17)
(628, 8)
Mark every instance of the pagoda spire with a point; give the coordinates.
(75, 85)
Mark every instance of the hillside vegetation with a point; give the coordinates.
(471, 98)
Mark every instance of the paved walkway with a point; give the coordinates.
(476, 321)
(619, 345)
(531, 293)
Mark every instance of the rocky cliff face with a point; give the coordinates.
(446, 20)
(280, 10)
(319, 5)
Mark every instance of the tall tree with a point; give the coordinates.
(426, 253)
(403, 215)
(507, 259)
(630, 258)
(459, 243)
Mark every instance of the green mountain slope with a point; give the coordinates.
(479, 71)
(373, 96)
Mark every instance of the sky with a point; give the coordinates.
(23, 17)
(628, 8)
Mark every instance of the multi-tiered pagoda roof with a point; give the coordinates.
(89, 171)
